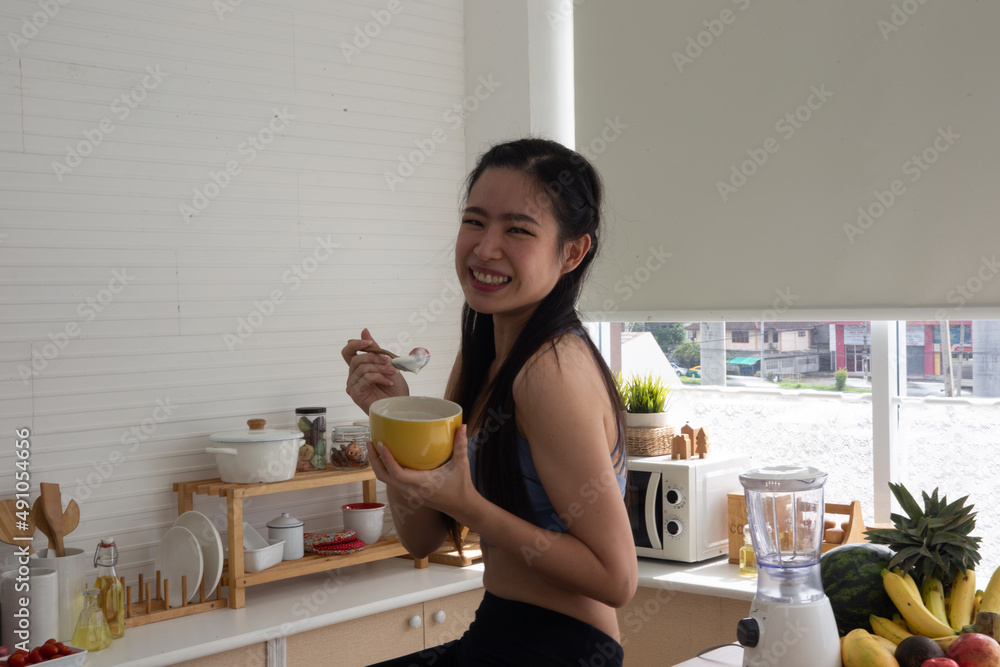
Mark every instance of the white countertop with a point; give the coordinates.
(313, 601)
(730, 656)
(716, 577)
(288, 607)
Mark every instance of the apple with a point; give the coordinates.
(939, 662)
(975, 650)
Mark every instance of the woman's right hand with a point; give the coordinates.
(371, 376)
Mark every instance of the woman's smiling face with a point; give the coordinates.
(508, 254)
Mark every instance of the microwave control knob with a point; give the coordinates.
(675, 496)
(748, 632)
(675, 527)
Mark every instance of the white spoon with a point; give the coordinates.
(413, 362)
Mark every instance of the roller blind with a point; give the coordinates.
(792, 160)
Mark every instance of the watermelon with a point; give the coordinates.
(852, 579)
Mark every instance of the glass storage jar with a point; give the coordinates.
(312, 423)
(348, 450)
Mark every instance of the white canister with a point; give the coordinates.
(72, 569)
(40, 589)
(291, 530)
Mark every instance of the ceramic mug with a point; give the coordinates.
(365, 519)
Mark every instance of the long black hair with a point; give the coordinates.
(568, 183)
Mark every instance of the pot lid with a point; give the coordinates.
(285, 521)
(257, 433)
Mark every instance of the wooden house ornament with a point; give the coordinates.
(680, 447)
(701, 443)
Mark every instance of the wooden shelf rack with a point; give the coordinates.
(234, 574)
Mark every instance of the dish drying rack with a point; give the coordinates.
(234, 574)
(151, 607)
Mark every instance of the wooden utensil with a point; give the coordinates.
(9, 531)
(71, 519)
(52, 509)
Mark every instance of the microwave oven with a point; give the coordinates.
(678, 509)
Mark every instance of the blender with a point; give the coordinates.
(791, 622)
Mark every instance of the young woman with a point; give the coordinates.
(539, 468)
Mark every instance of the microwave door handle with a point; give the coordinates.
(652, 528)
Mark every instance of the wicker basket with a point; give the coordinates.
(648, 441)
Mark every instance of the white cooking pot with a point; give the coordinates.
(257, 454)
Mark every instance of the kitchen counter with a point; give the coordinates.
(730, 656)
(314, 601)
(288, 607)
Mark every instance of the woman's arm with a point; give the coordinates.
(565, 417)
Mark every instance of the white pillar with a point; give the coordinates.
(519, 59)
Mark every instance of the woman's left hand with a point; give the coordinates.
(447, 488)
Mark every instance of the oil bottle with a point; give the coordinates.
(111, 598)
(92, 632)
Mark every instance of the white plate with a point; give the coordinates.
(179, 555)
(211, 547)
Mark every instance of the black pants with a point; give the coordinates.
(506, 632)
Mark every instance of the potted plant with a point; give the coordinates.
(646, 399)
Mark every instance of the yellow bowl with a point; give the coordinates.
(418, 430)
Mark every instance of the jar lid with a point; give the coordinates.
(285, 521)
(310, 411)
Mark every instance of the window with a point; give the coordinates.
(939, 432)
(741, 336)
(802, 334)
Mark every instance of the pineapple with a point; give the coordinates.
(933, 542)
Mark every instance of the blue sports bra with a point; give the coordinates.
(546, 515)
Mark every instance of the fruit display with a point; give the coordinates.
(926, 569)
(852, 579)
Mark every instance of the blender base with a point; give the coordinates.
(796, 634)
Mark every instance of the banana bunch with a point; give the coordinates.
(860, 648)
(926, 609)
(909, 601)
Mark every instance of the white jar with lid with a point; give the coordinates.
(291, 530)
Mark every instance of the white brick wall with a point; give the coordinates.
(130, 312)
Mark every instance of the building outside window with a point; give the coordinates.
(946, 394)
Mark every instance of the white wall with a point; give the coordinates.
(149, 331)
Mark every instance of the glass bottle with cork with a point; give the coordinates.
(111, 597)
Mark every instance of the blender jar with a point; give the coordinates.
(785, 511)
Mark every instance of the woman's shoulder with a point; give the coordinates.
(567, 358)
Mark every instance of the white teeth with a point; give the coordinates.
(490, 280)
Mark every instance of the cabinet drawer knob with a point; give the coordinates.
(414, 622)
(439, 616)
